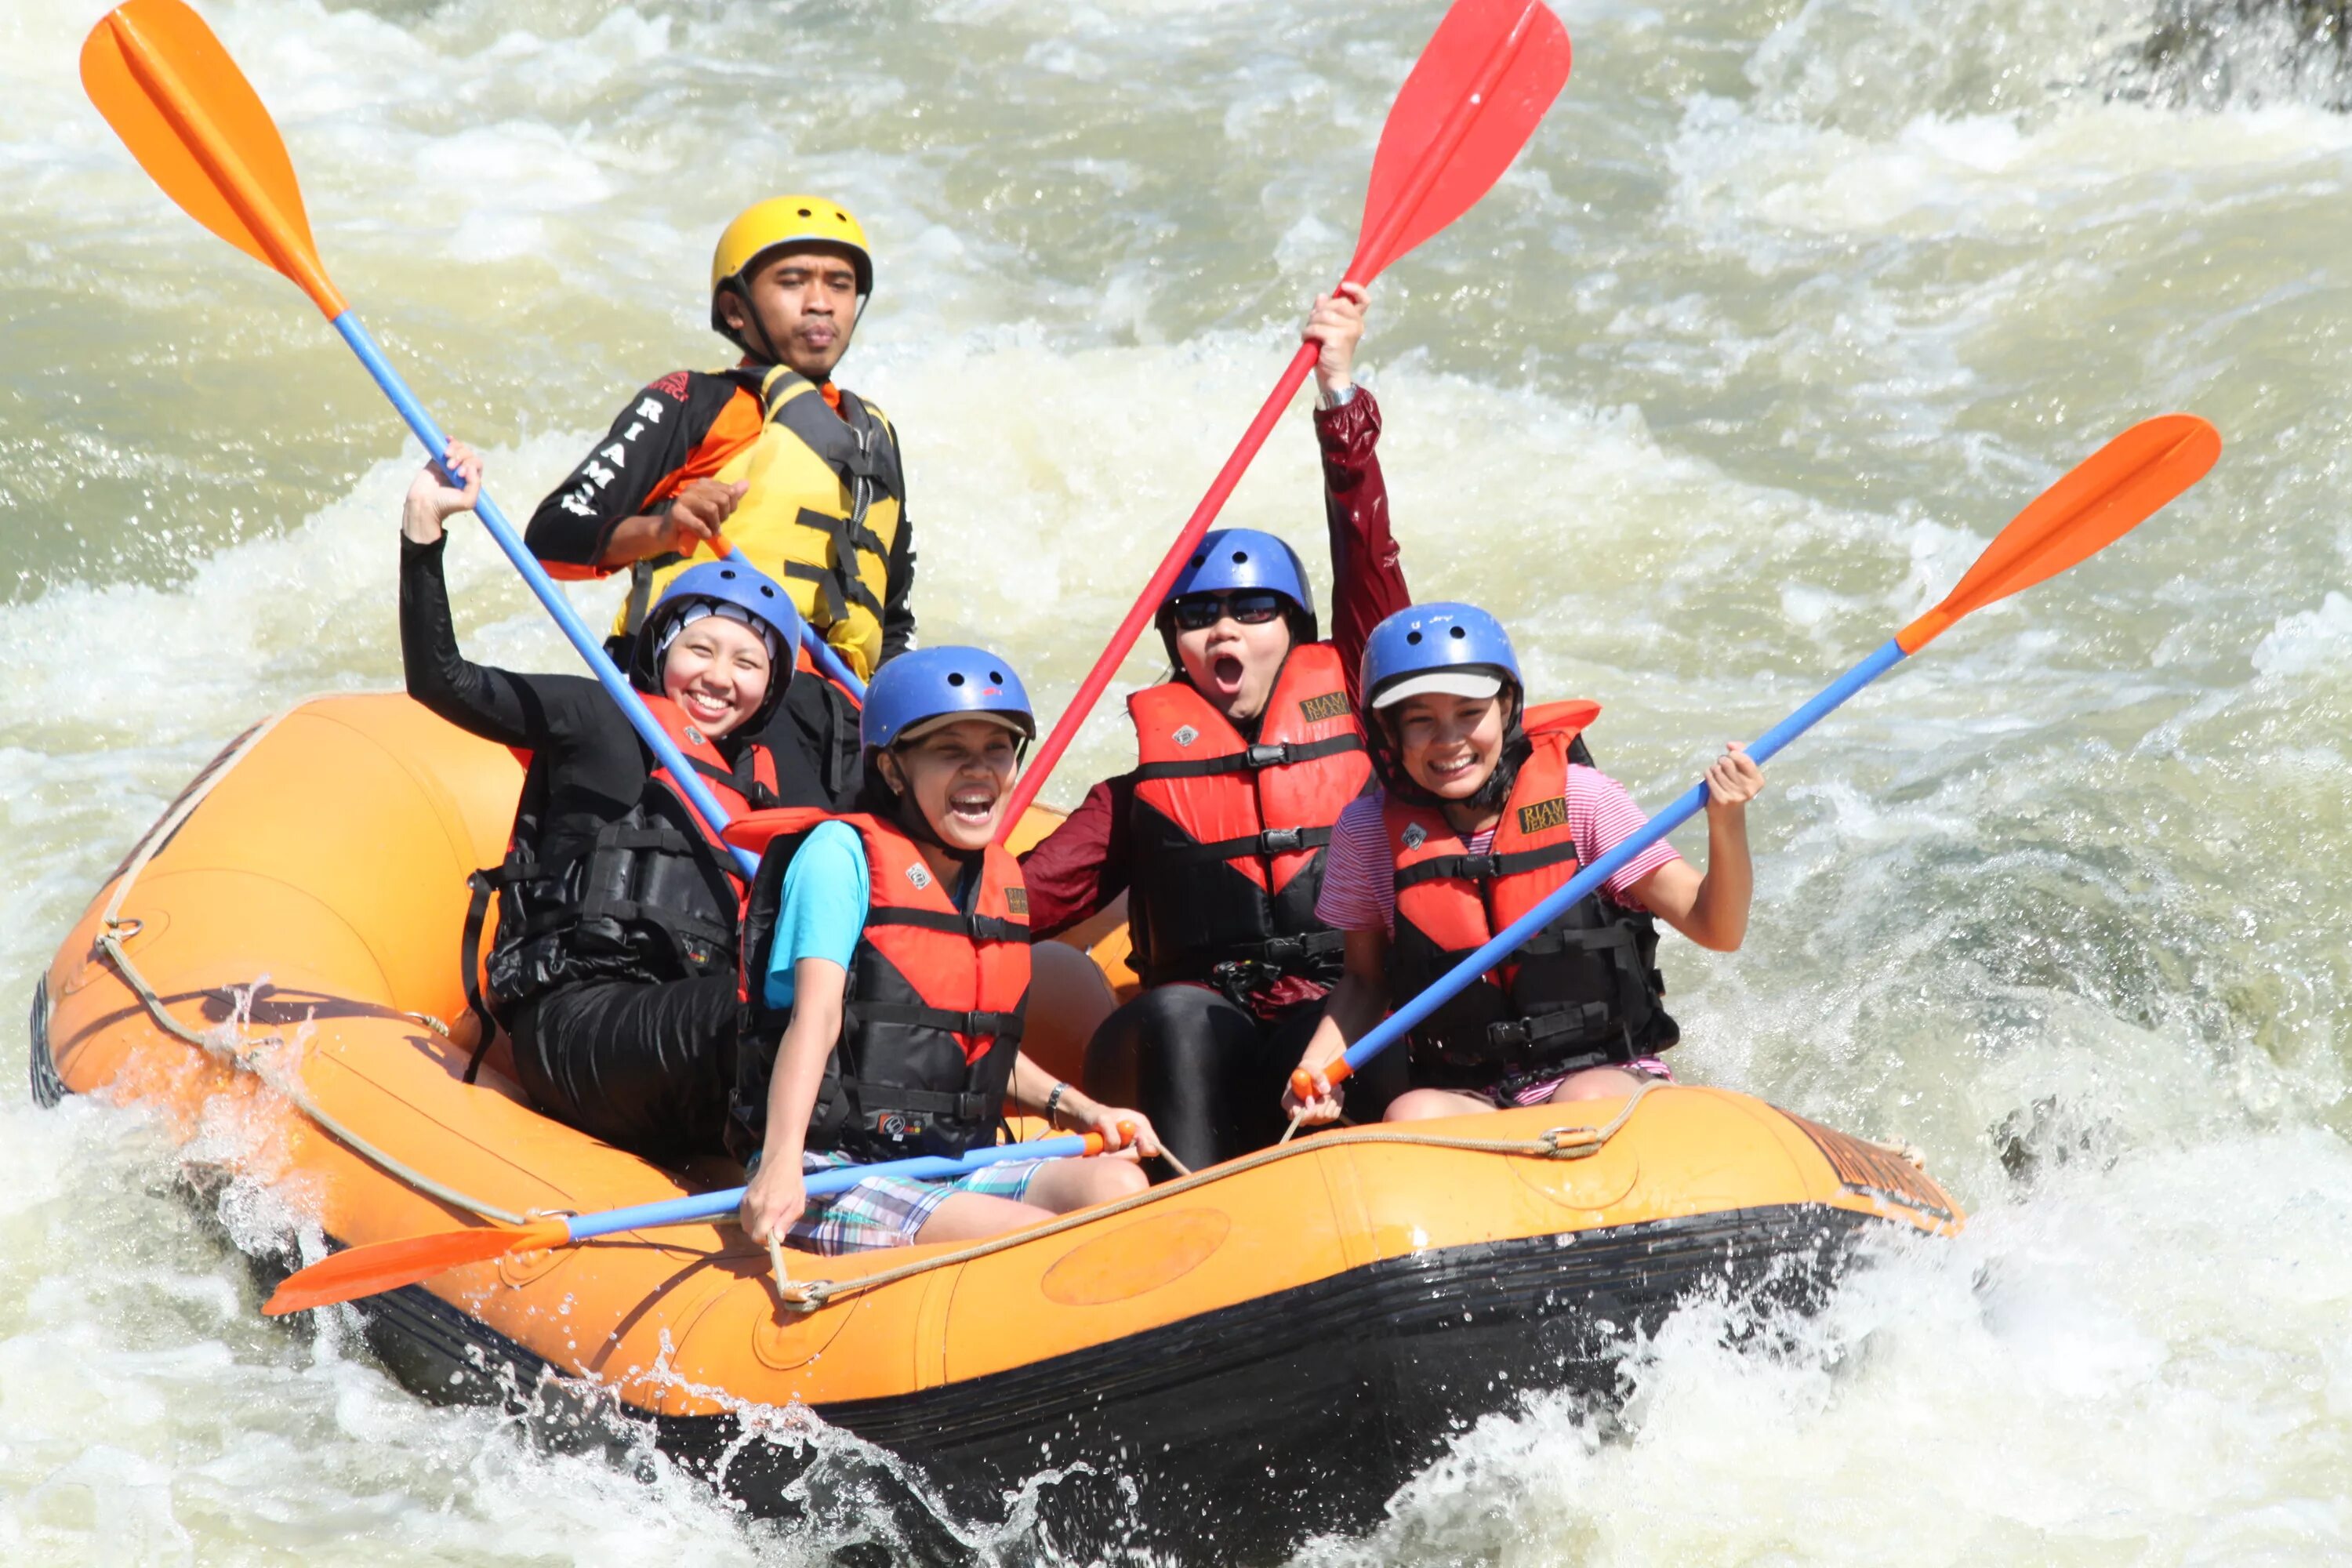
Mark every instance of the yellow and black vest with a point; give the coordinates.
(822, 513)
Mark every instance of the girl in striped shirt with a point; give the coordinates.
(1485, 806)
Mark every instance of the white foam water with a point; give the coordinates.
(1786, 310)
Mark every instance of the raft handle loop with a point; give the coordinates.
(803, 1297)
(115, 928)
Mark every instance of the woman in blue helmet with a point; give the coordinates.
(1246, 756)
(886, 971)
(1486, 806)
(613, 962)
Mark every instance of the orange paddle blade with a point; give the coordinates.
(197, 127)
(2107, 495)
(1519, 45)
(388, 1265)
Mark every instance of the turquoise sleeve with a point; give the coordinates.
(823, 912)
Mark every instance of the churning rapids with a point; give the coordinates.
(1789, 306)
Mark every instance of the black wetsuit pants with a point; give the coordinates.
(1211, 1074)
(646, 1067)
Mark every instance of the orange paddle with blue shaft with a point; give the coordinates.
(1475, 96)
(380, 1265)
(2111, 492)
(179, 102)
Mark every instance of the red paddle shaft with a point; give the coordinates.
(1407, 217)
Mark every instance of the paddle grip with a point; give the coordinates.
(567, 619)
(1146, 604)
(1335, 1073)
(1507, 941)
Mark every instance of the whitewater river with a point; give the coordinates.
(1789, 307)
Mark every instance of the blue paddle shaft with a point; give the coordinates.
(819, 1183)
(575, 630)
(1507, 941)
(831, 664)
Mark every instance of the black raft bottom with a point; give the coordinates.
(1233, 1436)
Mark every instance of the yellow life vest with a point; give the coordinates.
(822, 514)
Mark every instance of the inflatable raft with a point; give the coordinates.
(1265, 1349)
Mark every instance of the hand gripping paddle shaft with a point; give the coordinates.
(360, 1271)
(1486, 79)
(2114, 491)
(195, 123)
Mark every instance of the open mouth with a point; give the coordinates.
(705, 708)
(1444, 771)
(1226, 672)
(974, 807)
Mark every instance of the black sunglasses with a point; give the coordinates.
(1250, 606)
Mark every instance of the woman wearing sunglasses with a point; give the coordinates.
(1245, 756)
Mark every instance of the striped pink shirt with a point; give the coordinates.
(1360, 874)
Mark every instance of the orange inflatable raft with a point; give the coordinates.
(1194, 1363)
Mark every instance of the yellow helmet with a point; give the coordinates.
(782, 220)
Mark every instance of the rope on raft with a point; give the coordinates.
(243, 1054)
(1553, 1143)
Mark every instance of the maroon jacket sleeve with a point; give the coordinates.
(1082, 864)
(1367, 579)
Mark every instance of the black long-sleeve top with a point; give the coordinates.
(594, 767)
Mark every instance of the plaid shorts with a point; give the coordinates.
(887, 1211)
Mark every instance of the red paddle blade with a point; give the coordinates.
(388, 1265)
(197, 126)
(2108, 494)
(1490, 71)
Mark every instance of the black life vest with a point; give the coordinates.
(931, 1017)
(652, 899)
(1227, 837)
(1583, 992)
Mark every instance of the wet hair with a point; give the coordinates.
(1388, 759)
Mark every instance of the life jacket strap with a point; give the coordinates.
(979, 928)
(1483, 868)
(1272, 841)
(973, 1025)
(1253, 758)
(469, 963)
(1542, 1033)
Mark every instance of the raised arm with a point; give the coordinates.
(1367, 583)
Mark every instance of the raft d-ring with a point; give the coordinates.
(1572, 1142)
(797, 1298)
(124, 926)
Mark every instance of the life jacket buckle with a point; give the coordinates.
(1265, 756)
(1482, 867)
(1282, 840)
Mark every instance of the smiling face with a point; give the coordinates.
(1449, 745)
(717, 671)
(1233, 665)
(958, 778)
(805, 302)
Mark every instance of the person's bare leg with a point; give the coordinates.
(1068, 1000)
(976, 1217)
(1596, 1083)
(1066, 1184)
(1422, 1104)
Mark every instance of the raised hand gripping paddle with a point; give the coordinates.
(185, 110)
(2114, 491)
(1486, 79)
(370, 1271)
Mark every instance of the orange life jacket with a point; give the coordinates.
(1227, 836)
(932, 1015)
(653, 898)
(1582, 992)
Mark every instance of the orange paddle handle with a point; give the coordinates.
(1302, 1082)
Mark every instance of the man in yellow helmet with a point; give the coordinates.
(803, 476)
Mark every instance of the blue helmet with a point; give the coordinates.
(1449, 647)
(767, 607)
(1234, 558)
(941, 683)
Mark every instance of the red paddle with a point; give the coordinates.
(1486, 79)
